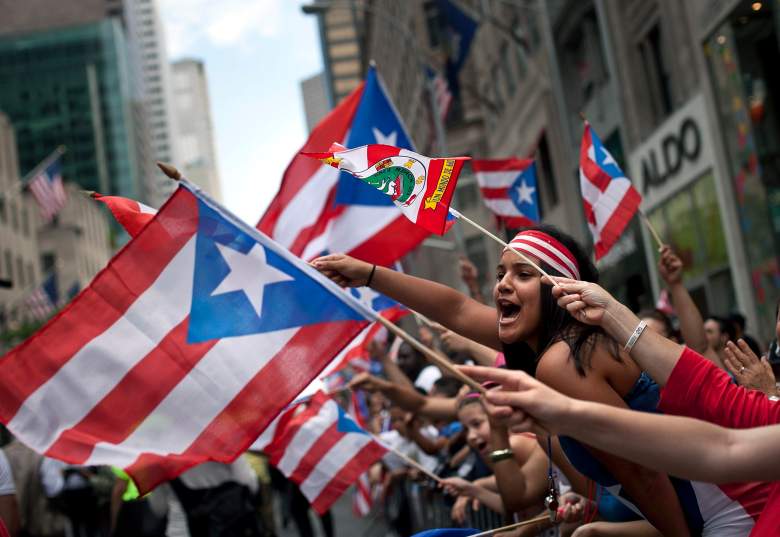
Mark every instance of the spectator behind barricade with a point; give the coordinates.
(413, 365)
(426, 336)
(719, 331)
(737, 320)
(9, 509)
(37, 515)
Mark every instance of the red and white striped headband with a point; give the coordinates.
(547, 249)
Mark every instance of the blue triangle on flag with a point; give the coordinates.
(242, 287)
(376, 122)
(346, 424)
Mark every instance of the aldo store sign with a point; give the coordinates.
(678, 152)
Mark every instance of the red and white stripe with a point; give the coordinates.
(311, 451)
(609, 202)
(362, 500)
(131, 215)
(547, 249)
(49, 192)
(442, 96)
(302, 217)
(112, 379)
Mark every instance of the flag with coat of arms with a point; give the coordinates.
(508, 187)
(609, 198)
(182, 350)
(319, 210)
(420, 186)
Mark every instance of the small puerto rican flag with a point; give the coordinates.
(508, 187)
(420, 186)
(608, 197)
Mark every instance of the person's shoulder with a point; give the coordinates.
(554, 363)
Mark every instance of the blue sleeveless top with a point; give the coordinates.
(644, 397)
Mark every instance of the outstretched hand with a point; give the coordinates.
(585, 301)
(367, 382)
(523, 403)
(346, 271)
(750, 371)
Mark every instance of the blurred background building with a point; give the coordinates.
(194, 128)
(92, 77)
(683, 94)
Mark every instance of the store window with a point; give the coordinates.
(743, 55)
(656, 74)
(690, 222)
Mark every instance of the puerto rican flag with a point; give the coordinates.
(422, 187)
(322, 449)
(508, 187)
(182, 350)
(317, 211)
(131, 215)
(609, 198)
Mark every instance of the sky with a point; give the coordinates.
(256, 53)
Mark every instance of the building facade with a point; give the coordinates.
(154, 77)
(20, 263)
(315, 100)
(71, 86)
(194, 127)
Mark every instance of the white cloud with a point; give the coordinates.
(223, 23)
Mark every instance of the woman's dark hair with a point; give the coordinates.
(557, 324)
(659, 316)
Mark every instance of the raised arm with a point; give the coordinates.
(443, 304)
(670, 267)
(684, 447)
(407, 398)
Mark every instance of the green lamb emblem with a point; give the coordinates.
(396, 181)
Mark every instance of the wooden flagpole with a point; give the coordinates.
(540, 518)
(535, 265)
(408, 460)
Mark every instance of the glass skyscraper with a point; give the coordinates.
(72, 86)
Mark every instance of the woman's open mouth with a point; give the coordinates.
(507, 312)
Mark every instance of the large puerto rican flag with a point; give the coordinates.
(322, 449)
(508, 187)
(182, 350)
(320, 210)
(609, 198)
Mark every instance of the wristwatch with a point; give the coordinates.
(500, 455)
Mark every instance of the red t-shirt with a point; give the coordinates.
(698, 389)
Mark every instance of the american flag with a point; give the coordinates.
(442, 95)
(43, 300)
(48, 190)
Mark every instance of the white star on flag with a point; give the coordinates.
(382, 138)
(525, 193)
(245, 276)
(366, 295)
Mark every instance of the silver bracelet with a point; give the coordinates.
(635, 336)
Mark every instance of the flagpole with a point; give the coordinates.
(408, 460)
(650, 227)
(535, 265)
(431, 355)
(540, 518)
